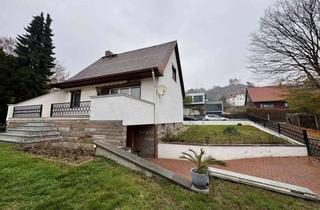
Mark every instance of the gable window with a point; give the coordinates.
(75, 98)
(174, 73)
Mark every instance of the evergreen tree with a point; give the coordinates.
(35, 56)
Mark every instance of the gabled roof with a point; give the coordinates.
(267, 94)
(128, 65)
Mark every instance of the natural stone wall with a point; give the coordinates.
(71, 129)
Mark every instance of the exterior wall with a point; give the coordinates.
(129, 110)
(170, 106)
(72, 129)
(230, 152)
(147, 89)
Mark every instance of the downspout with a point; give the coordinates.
(155, 97)
(155, 110)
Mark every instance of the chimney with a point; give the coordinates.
(108, 53)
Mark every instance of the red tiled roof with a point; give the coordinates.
(264, 94)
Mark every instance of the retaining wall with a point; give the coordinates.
(229, 152)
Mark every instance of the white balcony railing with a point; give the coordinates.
(128, 109)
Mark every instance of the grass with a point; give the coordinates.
(29, 182)
(224, 134)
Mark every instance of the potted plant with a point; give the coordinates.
(199, 174)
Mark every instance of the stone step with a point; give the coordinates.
(32, 129)
(14, 140)
(29, 135)
(26, 127)
(27, 132)
(39, 124)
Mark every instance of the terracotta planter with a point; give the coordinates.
(200, 181)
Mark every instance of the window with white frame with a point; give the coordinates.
(132, 91)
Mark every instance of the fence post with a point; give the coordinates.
(305, 139)
(51, 108)
(279, 128)
(40, 110)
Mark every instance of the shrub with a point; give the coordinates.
(232, 131)
(170, 137)
(239, 124)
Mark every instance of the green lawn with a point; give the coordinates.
(215, 134)
(28, 182)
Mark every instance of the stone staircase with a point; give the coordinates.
(31, 132)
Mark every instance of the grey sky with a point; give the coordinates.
(213, 36)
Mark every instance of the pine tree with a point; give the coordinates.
(35, 56)
(48, 59)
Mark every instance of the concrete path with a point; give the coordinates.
(300, 171)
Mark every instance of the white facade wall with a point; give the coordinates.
(231, 152)
(170, 106)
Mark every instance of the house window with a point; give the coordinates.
(75, 98)
(266, 105)
(133, 91)
(174, 73)
(198, 99)
(136, 92)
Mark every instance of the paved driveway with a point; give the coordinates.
(301, 171)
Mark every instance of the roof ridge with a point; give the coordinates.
(130, 51)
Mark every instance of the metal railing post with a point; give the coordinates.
(305, 139)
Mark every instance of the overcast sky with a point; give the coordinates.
(213, 35)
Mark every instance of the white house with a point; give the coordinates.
(198, 98)
(236, 99)
(136, 95)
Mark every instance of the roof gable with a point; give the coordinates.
(265, 94)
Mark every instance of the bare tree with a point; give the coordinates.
(7, 44)
(286, 46)
(60, 73)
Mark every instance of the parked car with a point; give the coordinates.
(214, 117)
(189, 118)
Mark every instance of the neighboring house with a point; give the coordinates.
(266, 97)
(197, 98)
(214, 107)
(236, 99)
(128, 99)
(200, 102)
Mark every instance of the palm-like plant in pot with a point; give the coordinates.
(199, 174)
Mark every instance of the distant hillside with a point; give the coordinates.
(217, 92)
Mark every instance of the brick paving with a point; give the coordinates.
(301, 171)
